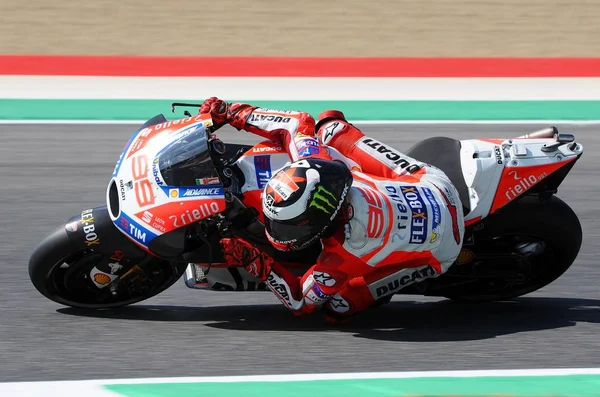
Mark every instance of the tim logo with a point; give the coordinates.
(375, 223)
(262, 167)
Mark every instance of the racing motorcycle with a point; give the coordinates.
(177, 189)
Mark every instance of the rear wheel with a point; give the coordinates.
(61, 272)
(520, 250)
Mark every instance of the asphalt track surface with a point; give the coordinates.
(50, 172)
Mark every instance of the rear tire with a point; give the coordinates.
(59, 269)
(551, 223)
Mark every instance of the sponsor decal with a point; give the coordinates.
(451, 207)
(465, 256)
(280, 289)
(324, 278)
(118, 255)
(135, 230)
(87, 221)
(150, 219)
(283, 185)
(375, 222)
(147, 216)
(516, 181)
(203, 210)
(140, 141)
(137, 233)
(339, 304)
(115, 267)
(324, 200)
(498, 153)
(156, 173)
(392, 155)
(418, 221)
(208, 181)
(308, 147)
(145, 135)
(402, 217)
(330, 130)
(340, 203)
(318, 236)
(122, 189)
(72, 227)
(118, 165)
(142, 187)
(268, 204)
(101, 279)
(522, 185)
(313, 298)
(268, 110)
(204, 191)
(436, 218)
(271, 118)
(262, 168)
(173, 193)
(282, 244)
(394, 282)
(265, 149)
(313, 295)
(124, 223)
(183, 132)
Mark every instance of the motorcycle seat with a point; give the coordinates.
(444, 153)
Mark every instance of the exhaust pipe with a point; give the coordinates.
(549, 132)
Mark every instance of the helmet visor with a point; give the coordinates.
(286, 233)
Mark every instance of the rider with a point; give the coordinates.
(387, 222)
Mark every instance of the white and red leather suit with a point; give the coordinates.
(404, 222)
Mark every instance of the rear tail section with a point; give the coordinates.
(499, 171)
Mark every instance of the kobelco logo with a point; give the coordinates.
(324, 200)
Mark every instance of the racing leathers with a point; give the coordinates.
(403, 221)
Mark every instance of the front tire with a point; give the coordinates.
(546, 234)
(60, 270)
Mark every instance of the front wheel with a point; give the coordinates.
(67, 273)
(519, 250)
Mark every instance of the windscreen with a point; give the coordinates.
(187, 162)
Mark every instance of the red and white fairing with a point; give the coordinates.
(497, 171)
(148, 206)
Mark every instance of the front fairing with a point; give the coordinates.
(164, 180)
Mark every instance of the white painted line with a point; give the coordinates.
(309, 88)
(93, 388)
(327, 376)
(358, 122)
(55, 389)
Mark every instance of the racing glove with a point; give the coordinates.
(218, 110)
(237, 251)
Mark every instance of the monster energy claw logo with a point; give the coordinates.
(324, 200)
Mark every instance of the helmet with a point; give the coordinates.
(302, 200)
